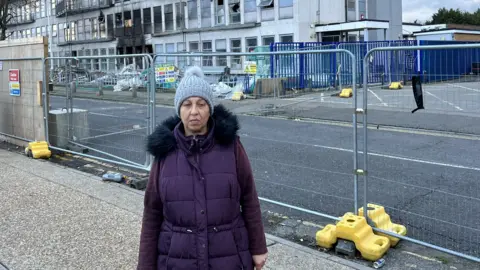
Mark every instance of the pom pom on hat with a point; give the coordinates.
(194, 71)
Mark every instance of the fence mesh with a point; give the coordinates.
(431, 184)
(81, 121)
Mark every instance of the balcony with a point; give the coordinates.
(19, 20)
(72, 7)
(130, 36)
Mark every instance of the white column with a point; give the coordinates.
(152, 19)
(259, 14)
(212, 13)
(185, 17)
(163, 18)
(199, 14)
(242, 12)
(276, 10)
(226, 12)
(174, 6)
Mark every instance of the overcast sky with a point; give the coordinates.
(424, 9)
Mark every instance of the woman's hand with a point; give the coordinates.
(259, 261)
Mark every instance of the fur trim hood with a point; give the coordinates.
(162, 141)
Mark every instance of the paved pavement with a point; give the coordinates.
(58, 218)
(422, 178)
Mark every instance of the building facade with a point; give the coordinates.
(118, 27)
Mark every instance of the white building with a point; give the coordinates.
(107, 27)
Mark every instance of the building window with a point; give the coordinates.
(266, 41)
(42, 8)
(111, 61)
(351, 5)
(44, 31)
(193, 47)
(182, 60)
(37, 9)
(96, 65)
(147, 20)
(250, 44)
(103, 64)
(219, 12)
(221, 47)
(94, 28)
(266, 3)
(192, 9)
(207, 48)
(180, 16)
(53, 4)
(170, 48)
(234, 9)
(250, 6)
(286, 38)
(157, 19)
(205, 13)
(236, 47)
(168, 17)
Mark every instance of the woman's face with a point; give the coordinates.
(194, 114)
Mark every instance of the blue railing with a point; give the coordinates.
(319, 70)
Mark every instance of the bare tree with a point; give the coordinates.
(9, 13)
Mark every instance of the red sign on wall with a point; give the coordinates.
(14, 75)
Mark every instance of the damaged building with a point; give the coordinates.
(122, 27)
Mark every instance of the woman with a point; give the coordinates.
(201, 206)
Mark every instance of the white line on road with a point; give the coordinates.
(464, 87)
(444, 101)
(384, 104)
(456, 166)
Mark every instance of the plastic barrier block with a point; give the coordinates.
(327, 237)
(38, 150)
(395, 85)
(355, 228)
(381, 220)
(237, 96)
(346, 93)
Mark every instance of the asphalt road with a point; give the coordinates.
(428, 182)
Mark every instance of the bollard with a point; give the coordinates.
(73, 86)
(100, 90)
(134, 91)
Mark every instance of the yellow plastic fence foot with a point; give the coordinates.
(326, 237)
(395, 85)
(381, 220)
(38, 150)
(346, 93)
(355, 228)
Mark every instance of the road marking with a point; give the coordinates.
(384, 104)
(382, 128)
(464, 87)
(421, 256)
(444, 101)
(442, 164)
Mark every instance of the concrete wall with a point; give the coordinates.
(22, 116)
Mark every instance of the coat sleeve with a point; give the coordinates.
(152, 221)
(250, 203)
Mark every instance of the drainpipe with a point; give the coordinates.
(346, 10)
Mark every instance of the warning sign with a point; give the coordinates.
(14, 82)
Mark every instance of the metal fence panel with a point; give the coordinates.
(435, 192)
(81, 123)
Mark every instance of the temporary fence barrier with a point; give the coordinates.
(437, 201)
(22, 101)
(112, 132)
(229, 82)
(252, 73)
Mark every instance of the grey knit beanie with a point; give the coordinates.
(193, 84)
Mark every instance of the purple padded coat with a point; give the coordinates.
(201, 207)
